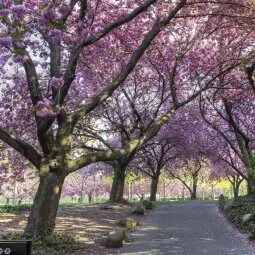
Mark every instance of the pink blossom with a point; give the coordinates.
(5, 41)
(18, 59)
(46, 109)
(42, 21)
(49, 14)
(44, 65)
(4, 12)
(7, 3)
(55, 33)
(64, 9)
(91, 13)
(18, 10)
(48, 112)
(53, 112)
(56, 82)
(44, 103)
(42, 112)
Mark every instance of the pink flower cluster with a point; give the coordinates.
(18, 10)
(5, 41)
(64, 9)
(4, 12)
(18, 59)
(56, 82)
(46, 109)
(55, 34)
(7, 3)
(49, 14)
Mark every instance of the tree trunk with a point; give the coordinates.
(154, 187)
(236, 187)
(194, 188)
(129, 192)
(118, 184)
(236, 191)
(250, 185)
(41, 221)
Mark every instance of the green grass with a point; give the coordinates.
(15, 208)
(27, 207)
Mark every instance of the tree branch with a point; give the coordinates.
(149, 37)
(23, 148)
(69, 74)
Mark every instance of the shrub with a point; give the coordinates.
(15, 208)
(242, 206)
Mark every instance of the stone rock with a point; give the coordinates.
(233, 203)
(139, 209)
(116, 237)
(229, 203)
(107, 207)
(247, 217)
(221, 201)
(128, 223)
(149, 204)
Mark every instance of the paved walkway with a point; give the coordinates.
(192, 228)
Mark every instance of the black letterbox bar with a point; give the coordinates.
(15, 247)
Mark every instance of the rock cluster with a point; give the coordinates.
(118, 235)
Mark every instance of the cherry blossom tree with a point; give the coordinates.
(153, 158)
(45, 48)
(233, 120)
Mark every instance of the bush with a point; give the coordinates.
(242, 206)
(15, 208)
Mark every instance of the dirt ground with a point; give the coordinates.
(88, 224)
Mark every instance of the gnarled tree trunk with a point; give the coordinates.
(250, 185)
(194, 187)
(41, 221)
(154, 187)
(118, 184)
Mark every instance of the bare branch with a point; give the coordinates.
(23, 148)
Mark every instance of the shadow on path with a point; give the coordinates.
(192, 228)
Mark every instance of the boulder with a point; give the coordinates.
(116, 237)
(246, 217)
(229, 203)
(107, 207)
(233, 203)
(249, 218)
(222, 201)
(128, 223)
(149, 204)
(139, 209)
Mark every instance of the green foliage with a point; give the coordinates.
(56, 244)
(15, 208)
(242, 206)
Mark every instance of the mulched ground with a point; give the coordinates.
(88, 224)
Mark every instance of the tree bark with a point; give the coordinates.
(118, 184)
(154, 187)
(236, 191)
(194, 188)
(250, 185)
(41, 221)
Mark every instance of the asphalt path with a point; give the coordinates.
(192, 228)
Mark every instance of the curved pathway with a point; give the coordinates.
(192, 228)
